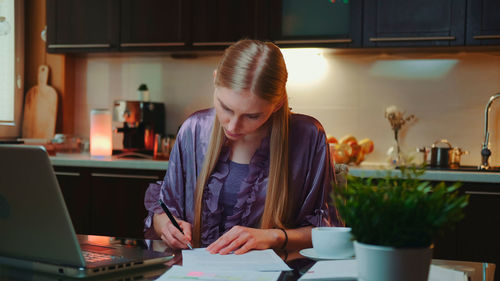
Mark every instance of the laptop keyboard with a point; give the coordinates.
(92, 257)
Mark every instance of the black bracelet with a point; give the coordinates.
(286, 255)
(286, 238)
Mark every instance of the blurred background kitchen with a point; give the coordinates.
(348, 61)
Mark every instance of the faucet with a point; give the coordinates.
(485, 151)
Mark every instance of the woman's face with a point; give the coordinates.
(241, 114)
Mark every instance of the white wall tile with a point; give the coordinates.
(446, 91)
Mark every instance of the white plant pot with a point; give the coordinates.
(381, 263)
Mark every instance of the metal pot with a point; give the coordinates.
(440, 156)
(445, 157)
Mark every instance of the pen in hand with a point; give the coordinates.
(172, 219)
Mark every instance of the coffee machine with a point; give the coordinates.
(141, 122)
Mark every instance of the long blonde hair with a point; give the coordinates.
(257, 67)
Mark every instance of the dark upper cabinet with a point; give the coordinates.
(389, 23)
(483, 22)
(82, 25)
(328, 23)
(156, 25)
(221, 22)
(152, 24)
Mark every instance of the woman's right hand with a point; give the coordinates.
(170, 234)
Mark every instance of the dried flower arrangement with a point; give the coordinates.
(397, 120)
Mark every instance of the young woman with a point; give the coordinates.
(246, 174)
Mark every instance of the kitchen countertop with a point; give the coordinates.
(379, 170)
(84, 160)
(376, 170)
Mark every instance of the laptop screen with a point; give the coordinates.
(33, 216)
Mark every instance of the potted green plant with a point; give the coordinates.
(394, 221)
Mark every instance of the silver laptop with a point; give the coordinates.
(36, 230)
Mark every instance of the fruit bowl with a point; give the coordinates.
(348, 150)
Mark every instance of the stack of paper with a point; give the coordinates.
(199, 264)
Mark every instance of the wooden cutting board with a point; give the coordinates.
(40, 108)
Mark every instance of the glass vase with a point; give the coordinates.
(394, 154)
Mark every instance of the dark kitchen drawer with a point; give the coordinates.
(104, 201)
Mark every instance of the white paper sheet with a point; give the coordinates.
(347, 270)
(439, 273)
(332, 270)
(258, 260)
(183, 273)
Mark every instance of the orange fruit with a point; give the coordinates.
(367, 145)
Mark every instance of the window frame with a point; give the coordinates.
(13, 130)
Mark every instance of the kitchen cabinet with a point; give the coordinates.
(483, 22)
(475, 238)
(480, 230)
(222, 22)
(159, 25)
(82, 25)
(321, 23)
(118, 201)
(74, 187)
(393, 23)
(105, 201)
(152, 24)
(114, 25)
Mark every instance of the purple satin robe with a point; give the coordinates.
(311, 176)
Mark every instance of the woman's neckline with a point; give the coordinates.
(239, 164)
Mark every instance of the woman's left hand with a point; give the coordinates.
(241, 239)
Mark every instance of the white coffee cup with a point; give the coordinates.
(333, 242)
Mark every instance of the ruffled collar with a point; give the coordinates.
(251, 191)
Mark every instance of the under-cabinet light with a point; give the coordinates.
(305, 65)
